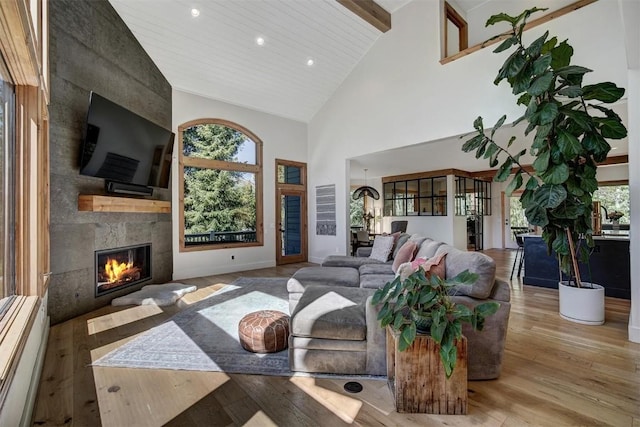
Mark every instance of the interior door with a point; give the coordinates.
(291, 212)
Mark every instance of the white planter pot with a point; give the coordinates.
(582, 305)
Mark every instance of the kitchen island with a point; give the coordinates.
(609, 264)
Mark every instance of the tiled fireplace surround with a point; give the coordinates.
(92, 49)
(72, 290)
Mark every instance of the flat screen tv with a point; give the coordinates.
(124, 148)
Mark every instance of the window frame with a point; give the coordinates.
(531, 24)
(481, 189)
(25, 51)
(8, 201)
(399, 198)
(450, 14)
(198, 162)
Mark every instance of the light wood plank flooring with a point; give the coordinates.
(554, 373)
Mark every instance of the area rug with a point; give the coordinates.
(204, 337)
(160, 295)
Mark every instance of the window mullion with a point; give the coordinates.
(199, 162)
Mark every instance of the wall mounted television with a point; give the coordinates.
(130, 152)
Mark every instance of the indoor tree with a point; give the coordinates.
(571, 127)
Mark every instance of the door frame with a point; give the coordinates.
(504, 215)
(296, 190)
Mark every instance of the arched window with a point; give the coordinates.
(220, 168)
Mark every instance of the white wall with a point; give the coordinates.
(400, 95)
(634, 191)
(630, 14)
(282, 138)
(612, 172)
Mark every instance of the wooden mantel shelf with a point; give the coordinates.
(96, 203)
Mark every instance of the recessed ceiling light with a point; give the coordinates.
(310, 62)
(614, 148)
(195, 12)
(260, 41)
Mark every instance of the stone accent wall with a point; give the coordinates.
(92, 49)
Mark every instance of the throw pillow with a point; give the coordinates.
(401, 239)
(382, 246)
(434, 265)
(405, 254)
(418, 239)
(404, 270)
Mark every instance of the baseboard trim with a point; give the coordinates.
(634, 333)
(209, 271)
(316, 260)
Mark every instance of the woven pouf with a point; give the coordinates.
(264, 331)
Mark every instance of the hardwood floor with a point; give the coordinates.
(554, 373)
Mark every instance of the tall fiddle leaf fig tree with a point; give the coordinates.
(570, 127)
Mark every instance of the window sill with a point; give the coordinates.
(14, 331)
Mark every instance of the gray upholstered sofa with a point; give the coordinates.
(334, 327)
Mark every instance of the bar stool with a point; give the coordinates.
(520, 251)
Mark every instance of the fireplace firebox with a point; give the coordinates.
(119, 268)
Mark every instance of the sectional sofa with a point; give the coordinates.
(334, 326)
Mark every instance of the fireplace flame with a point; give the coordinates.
(115, 270)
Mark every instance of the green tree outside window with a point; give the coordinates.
(220, 200)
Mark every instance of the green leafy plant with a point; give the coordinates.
(570, 139)
(420, 299)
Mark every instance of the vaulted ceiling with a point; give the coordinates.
(216, 54)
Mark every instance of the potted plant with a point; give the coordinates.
(421, 303)
(569, 141)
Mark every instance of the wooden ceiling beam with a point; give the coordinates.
(370, 11)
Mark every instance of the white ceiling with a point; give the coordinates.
(216, 55)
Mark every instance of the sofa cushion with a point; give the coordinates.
(475, 262)
(428, 248)
(382, 247)
(375, 281)
(375, 269)
(335, 276)
(349, 261)
(331, 312)
(405, 254)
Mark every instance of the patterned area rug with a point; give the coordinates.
(160, 295)
(204, 337)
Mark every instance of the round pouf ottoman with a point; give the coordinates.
(264, 331)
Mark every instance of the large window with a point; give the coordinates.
(221, 186)
(613, 198)
(7, 212)
(356, 210)
(473, 197)
(425, 197)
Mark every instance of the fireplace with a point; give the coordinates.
(122, 267)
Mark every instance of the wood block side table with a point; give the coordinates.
(417, 379)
